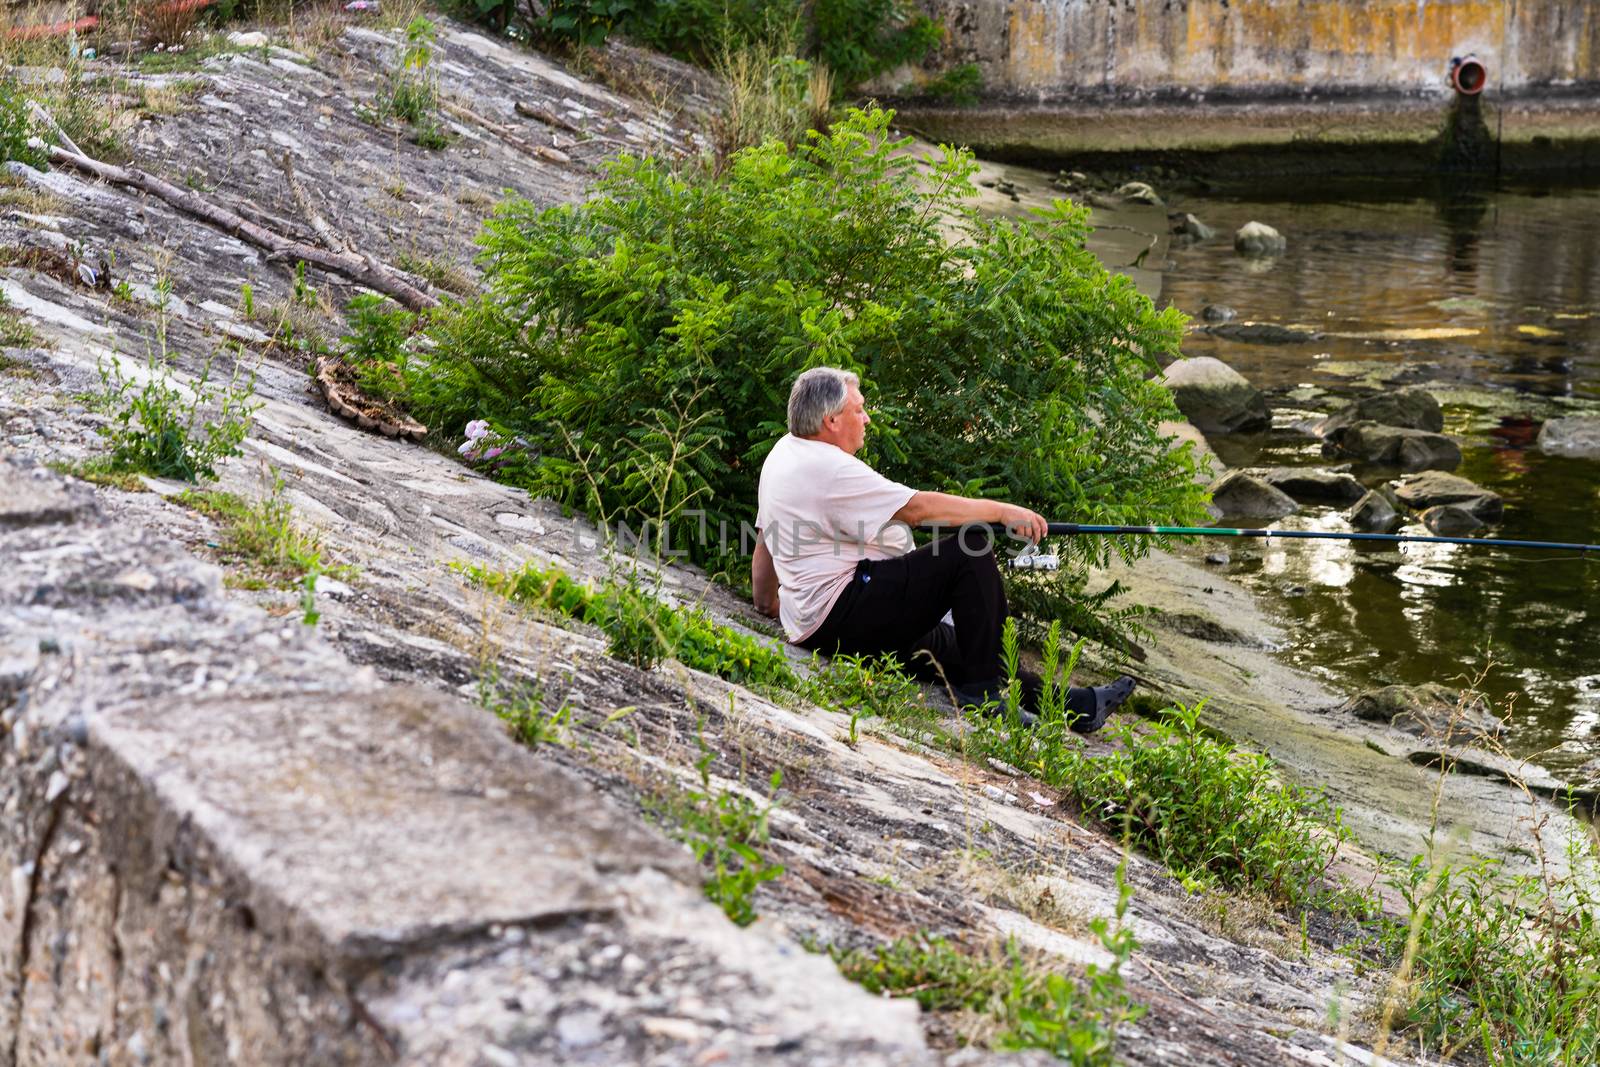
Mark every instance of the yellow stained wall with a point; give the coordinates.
(1261, 44)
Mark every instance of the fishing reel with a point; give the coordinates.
(1031, 559)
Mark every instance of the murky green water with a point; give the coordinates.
(1492, 300)
(1489, 298)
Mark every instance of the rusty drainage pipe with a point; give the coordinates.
(1468, 75)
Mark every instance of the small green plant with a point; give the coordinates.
(123, 291)
(15, 331)
(524, 707)
(725, 830)
(1022, 1004)
(375, 346)
(247, 301)
(16, 127)
(309, 615)
(160, 429)
(412, 91)
(304, 294)
(643, 630)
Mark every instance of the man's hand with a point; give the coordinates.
(763, 580)
(1020, 522)
(946, 509)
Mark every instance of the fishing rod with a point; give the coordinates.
(1071, 529)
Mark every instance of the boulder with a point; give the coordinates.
(1435, 488)
(1178, 431)
(1215, 397)
(1240, 494)
(1261, 333)
(1576, 436)
(1314, 484)
(1218, 313)
(1430, 711)
(1373, 513)
(1411, 450)
(1138, 193)
(1412, 409)
(1451, 520)
(1186, 225)
(1259, 239)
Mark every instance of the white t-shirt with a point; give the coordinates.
(821, 511)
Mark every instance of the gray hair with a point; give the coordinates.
(818, 393)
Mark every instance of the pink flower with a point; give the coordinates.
(477, 428)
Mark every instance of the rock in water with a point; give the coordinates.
(1412, 409)
(1262, 333)
(1186, 225)
(1314, 484)
(1411, 450)
(1218, 313)
(1571, 437)
(1240, 494)
(1259, 239)
(1215, 397)
(1451, 520)
(1436, 488)
(1426, 710)
(1138, 193)
(1373, 514)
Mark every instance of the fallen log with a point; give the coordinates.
(361, 271)
(505, 133)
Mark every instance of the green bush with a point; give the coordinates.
(161, 430)
(959, 86)
(644, 341)
(375, 345)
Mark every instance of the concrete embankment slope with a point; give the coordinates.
(1075, 78)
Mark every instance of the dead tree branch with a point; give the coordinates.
(362, 271)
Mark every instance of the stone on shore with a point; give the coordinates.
(1393, 446)
(1412, 409)
(1429, 710)
(1436, 488)
(1314, 484)
(1241, 494)
(1259, 239)
(1575, 436)
(1139, 193)
(1373, 513)
(1215, 397)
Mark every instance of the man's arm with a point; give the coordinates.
(947, 509)
(763, 580)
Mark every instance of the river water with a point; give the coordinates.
(1490, 299)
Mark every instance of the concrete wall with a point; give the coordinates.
(1044, 49)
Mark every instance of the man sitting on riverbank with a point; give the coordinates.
(834, 536)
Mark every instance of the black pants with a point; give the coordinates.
(895, 605)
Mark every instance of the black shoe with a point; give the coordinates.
(981, 694)
(1107, 698)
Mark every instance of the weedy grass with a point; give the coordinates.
(98, 471)
(411, 93)
(1006, 1001)
(527, 709)
(263, 535)
(643, 630)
